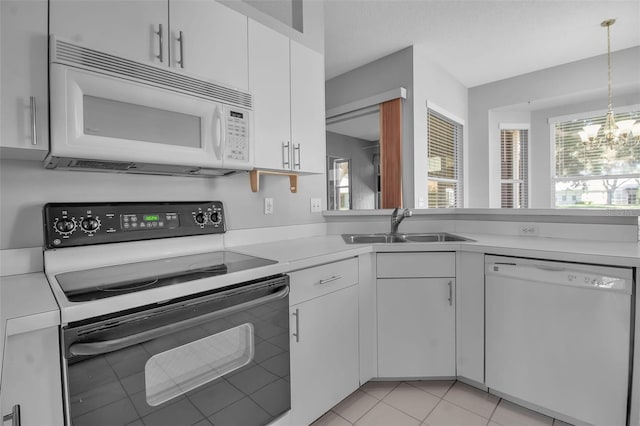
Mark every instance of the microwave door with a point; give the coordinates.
(100, 117)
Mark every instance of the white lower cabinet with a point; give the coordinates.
(324, 339)
(31, 378)
(416, 315)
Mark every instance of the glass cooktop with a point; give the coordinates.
(108, 281)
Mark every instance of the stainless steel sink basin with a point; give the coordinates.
(373, 238)
(432, 237)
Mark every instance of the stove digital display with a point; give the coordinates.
(149, 221)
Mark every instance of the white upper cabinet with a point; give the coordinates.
(24, 102)
(213, 44)
(287, 83)
(129, 28)
(270, 87)
(307, 109)
(214, 41)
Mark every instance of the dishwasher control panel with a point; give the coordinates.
(77, 224)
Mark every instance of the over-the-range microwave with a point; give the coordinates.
(111, 113)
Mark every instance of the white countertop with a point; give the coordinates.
(305, 252)
(28, 303)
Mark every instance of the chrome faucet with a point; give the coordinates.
(398, 216)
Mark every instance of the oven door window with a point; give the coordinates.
(179, 370)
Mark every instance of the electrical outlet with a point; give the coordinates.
(316, 205)
(268, 205)
(528, 229)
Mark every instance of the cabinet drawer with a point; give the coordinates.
(409, 265)
(317, 281)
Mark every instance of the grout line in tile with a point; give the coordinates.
(337, 414)
(494, 409)
(465, 409)
(366, 412)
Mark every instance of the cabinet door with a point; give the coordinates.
(324, 354)
(269, 84)
(125, 27)
(23, 82)
(416, 327)
(31, 377)
(214, 44)
(307, 109)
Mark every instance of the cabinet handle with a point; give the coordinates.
(297, 333)
(296, 164)
(450, 293)
(285, 158)
(14, 416)
(159, 33)
(180, 39)
(34, 128)
(328, 280)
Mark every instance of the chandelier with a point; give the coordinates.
(612, 134)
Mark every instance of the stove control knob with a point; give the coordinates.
(200, 218)
(90, 224)
(215, 218)
(65, 226)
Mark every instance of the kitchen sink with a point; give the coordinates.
(432, 237)
(373, 238)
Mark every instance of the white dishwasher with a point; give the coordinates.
(558, 337)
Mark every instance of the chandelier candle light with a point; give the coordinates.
(613, 134)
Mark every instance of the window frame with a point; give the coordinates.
(527, 179)
(459, 154)
(552, 121)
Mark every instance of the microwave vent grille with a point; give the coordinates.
(100, 61)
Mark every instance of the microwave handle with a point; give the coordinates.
(219, 132)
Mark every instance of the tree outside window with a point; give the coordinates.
(601, 177)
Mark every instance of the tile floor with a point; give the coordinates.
(428, 403)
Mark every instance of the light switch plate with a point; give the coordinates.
(268, 205)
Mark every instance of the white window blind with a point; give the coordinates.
(444, 151)
(514, 168)
(596, 177)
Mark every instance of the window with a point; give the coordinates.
(339, 184)
(514, 168)
(597, 177)
(444, 151)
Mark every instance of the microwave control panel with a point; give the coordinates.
(78, 224)
(237, 142)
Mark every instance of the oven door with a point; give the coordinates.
(221, 357)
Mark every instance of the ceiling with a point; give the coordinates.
(477, 41)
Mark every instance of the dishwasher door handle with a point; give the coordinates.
(101, 347)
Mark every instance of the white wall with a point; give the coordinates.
(433, 84)
(363, 172)
(566, 85)
(312, 16)
(25, 186)
(387, 73)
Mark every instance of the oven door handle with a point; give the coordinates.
(102, 347)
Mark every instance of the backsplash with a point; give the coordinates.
(619, 226)
(26, 186)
